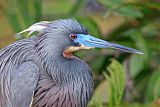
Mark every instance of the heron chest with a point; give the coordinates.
(48, 94)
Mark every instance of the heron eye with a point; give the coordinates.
(73, 36)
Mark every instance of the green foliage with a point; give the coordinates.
(96, 102)
(90, 24)
(122, 7)
(23, 13)
(139, 28)
(153, 90)
(116, 83)
(138, 62)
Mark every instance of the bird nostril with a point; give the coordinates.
(77, 44)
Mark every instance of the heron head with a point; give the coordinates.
(80, 39)
(69, 36)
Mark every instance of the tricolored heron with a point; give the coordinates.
(42, 71)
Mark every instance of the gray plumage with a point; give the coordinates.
(33, 71)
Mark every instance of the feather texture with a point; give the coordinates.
(38, 61)
(37, 27)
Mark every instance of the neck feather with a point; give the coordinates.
(70, 74)
(62, 70)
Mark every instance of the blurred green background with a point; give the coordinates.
(121, 79)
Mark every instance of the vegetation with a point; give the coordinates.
(121, 79)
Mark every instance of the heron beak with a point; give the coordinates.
(88, 41)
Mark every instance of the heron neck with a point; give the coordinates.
(62, 70)
(70, 73)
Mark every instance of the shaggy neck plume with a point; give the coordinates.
(71, 78)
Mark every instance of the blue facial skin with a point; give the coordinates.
(90, 41)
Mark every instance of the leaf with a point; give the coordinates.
(151, 29)
(135, 65)
(110, 3)
(154, 5)
(23, 14)
(116, 82)
(121, 7)
(153, 45)
(130, 11)
(100, 96)
(153, 89)
(38, 9)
